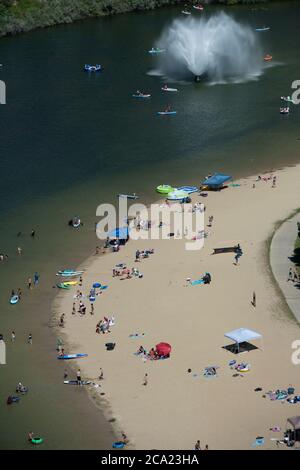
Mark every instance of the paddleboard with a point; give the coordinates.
(141, 96)
(74, 382)
(166, 113)
(70, 283)
(169, 89)
(71, 356)
(14, 299)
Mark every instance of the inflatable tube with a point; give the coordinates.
(36, 440)
(118, 445)
(164, 189)
(14, 299)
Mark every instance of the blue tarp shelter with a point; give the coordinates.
(216, 181)
(119, 232)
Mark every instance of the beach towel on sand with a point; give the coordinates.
(198, 281)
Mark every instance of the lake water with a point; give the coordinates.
(70, 141)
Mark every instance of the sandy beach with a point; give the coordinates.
(177, 408)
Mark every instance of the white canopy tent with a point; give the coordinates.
(242, 335)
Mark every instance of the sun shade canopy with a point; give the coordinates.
(216, 181)
(242, 334)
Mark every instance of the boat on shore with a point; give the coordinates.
(71, 356)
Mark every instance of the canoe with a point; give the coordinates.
(169, 89)
(164, 189)
(129, 196)
(14, 299)
(71, 356)
(74, 382)
(166, 113)
(141, 96)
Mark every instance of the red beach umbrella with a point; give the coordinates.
(163, 349)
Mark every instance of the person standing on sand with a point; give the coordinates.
(74, 309)
(101, 376)
(145, 381)
(78, 377)
(32, 233)
(29, 283)
(36, 279)
(13, 336)
(29, 341)
(92, 309)
(254, 299)
(19, 293)
(290, 276)
(296, 276)
(197, 445)
(19, 250)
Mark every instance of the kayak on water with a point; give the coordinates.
(166, 88)
(198, 7)
(129, 196)
(14, 299)
(141, 95)
(75, 382)
(265, 28)
(185, 12)
(71, 356)
(267, 58)
(166, 113)
(156, 50)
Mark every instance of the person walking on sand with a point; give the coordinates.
(30, 436)
(29, 283)
(145, 381)
(197, 445)
(290, 276)
(101, 376)
(19, 250)
(254, 299)
(32, 233)
(74, 309)
(13, 336)
(19, 293)
(29, 340)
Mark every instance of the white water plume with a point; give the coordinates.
(218, 49)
